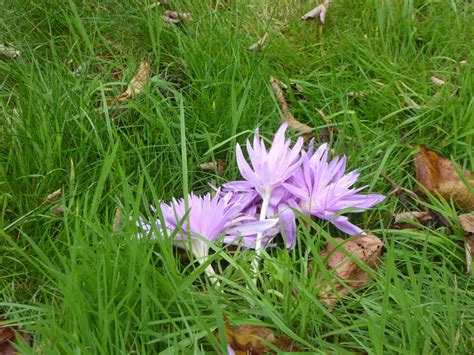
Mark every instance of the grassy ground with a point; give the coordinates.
(80, 288)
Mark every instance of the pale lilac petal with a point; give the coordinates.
(342, 223)
(243, 165)
(253, 227)
(288, 225)
(296, 191)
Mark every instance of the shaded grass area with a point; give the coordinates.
(77, 286)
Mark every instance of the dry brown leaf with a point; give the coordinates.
(174, 17)
(135, 87)
(292, 121)
(7, 337)
(318, 12)
(58, 210)
(218, 166)
(53, 196)
(405, 220)
(437, 81)
(467, 223)
(437, 174)
(366, 248)
(9, 51)
(259, 44)
(247, 339)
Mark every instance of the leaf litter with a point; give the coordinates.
(439, 175)
(467, 223)
(252, 339)
(366, 248)
(8, 337)
(319, 12)
(135, 87)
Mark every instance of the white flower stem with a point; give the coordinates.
(258, 243)
(211, 274)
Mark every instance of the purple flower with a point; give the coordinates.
(320, 188)
(209, 219)
(270, 168)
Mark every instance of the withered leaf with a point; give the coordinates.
(136, 86)
(217, 165)
(247, 339)
(402, 220)
(438, 175)
(292, 121)
(53, 196)
(318, 12)
(467, 223)
(9, 51)
(8, 336)
(259, 44)
(366, 248)
(174, 17)
(437, 81)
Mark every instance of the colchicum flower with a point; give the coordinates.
(209, 219)
(270, 169)
(322, 189)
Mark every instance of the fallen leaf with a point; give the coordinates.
(9, 52)
(174, 17)
(292, 121)
(318, 12)
(53, 196)
(437, 81)
(58, 210)
(259, 44)
(467, 223)
(438, 175)
(406, 220)
(218, 166)
(135, 87)
(247, 339)
(8, 337)
(366, 248)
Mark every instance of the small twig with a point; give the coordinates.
(292, 121)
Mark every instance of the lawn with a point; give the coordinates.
(388, 75)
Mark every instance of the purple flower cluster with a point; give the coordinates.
(276, 183)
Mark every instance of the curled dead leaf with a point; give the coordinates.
(438, 175)
(437, 81)
(292, 121)
(136, 86)
(467, 223)
(366, 248)
(406, 220)
(174, 17)
(9, 52)
(251, 339)
(217, 166)
(53, 196)
(318, 12)
(8, 335)
(259, 44)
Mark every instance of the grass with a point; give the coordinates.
(78, 287)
